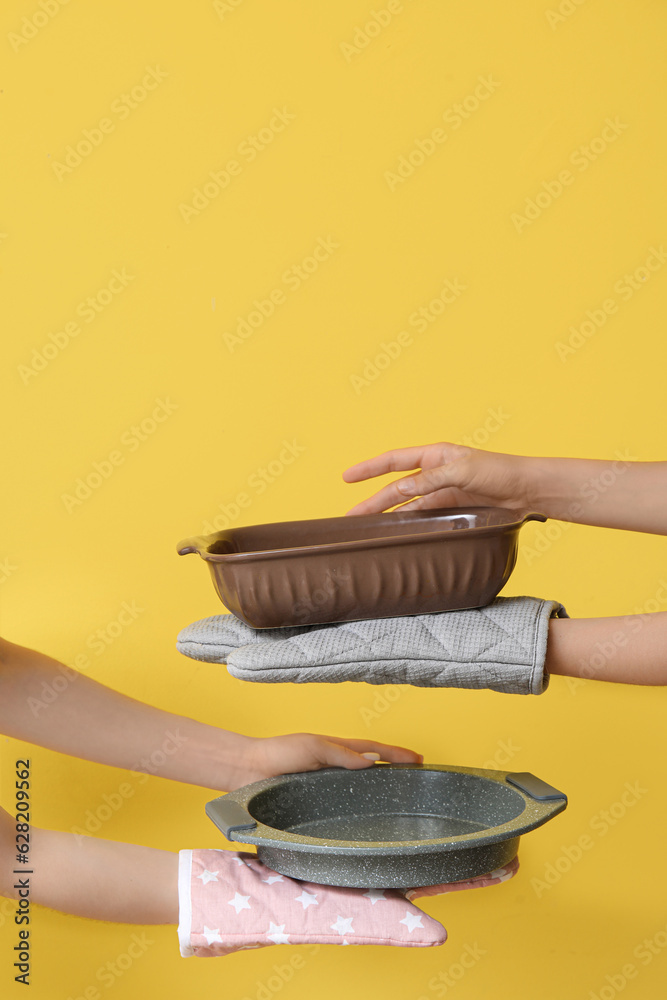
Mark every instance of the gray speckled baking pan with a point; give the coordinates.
(388, 826)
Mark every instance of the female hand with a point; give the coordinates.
(274, 755)
(610, 493)
(445, 475)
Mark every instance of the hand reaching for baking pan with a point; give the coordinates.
(448, 475)
(612, 493)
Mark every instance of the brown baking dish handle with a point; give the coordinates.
(188, 545)
(530, 515)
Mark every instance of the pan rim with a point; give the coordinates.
(534, 814)
(519, 517)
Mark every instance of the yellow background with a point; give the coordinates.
(495, 348)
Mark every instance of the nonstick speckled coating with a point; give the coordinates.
(390, 826)
(371, 566)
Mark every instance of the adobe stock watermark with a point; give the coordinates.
(266, 989)
(130, 440)
(98, 641)
(87, 310)
(257, 483)
(247, 152)
(364, 34)
(495, 419)
(32, 24)
(454, 116)
(600, 825)
(224, 7)
(625, 288)
(7, 569)
(111, 802)
(419, 321)
(558, 15)
(121, 108)
(589, 493)
(333, 582)
(448, 978)
(113, 970)
(644, 952)
(291, 279)
(581, 159)
(382, 701)
(606, 651)
(505, 751)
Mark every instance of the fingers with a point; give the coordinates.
(334, 754)
(436, 467)
(429, 481)
(399, 460)
(448, 497)
(393, 754)
(385, 498)
(404, 460)
(398, 492)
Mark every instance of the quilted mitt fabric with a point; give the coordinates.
(230, 901)
(501, 646)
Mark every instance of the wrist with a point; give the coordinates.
(234, 763)
(554, 487)
(207, 756)
(527, 482)
(243, 763)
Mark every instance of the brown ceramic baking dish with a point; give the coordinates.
(340, 569)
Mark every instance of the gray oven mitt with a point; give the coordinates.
(501, 646)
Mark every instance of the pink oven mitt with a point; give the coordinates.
(479, 882)
(229, 901)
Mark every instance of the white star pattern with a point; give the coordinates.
(307, 899)
(343, 925)
(212, 936)
(501, 874)
(207, 876)
(273, 878)
(239, 902)
(238, 861)
(276, 933)
(412, 920)
(375, 895)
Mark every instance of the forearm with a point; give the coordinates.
(629, 650)
(612, 494)
(99, 879)
(87, 719)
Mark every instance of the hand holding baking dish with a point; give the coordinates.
(501, 647)
(230, 901)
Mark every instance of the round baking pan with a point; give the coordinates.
(340, 569)
(388, 826)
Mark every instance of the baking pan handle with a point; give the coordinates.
(229, 816)
(534, 787)
(533, 515)
(189, 545)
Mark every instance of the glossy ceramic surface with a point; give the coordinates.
(372, 566)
